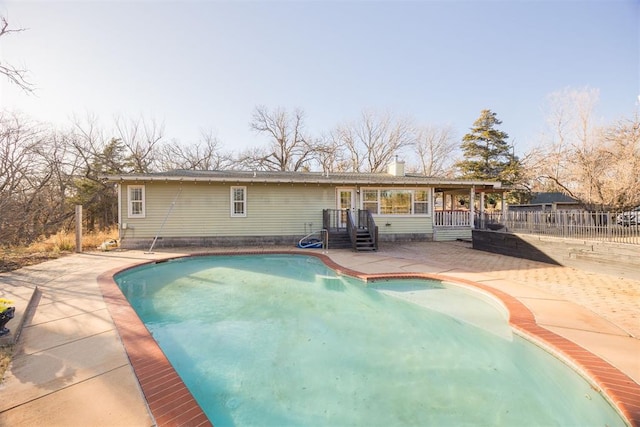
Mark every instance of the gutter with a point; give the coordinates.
(331, 180)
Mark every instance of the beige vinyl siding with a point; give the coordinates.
(447, 234)
(285, 209)
(191, 207)
(203, 209)
(403, 224)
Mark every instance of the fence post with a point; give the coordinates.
(79, 228)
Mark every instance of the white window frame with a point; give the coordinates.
(421, 202)
(130, 202)
(363, 200)
(233, 201)
(413, 202)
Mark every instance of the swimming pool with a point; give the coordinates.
(284, 340)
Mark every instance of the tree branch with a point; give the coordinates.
(15, 75)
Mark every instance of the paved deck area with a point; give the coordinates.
(71, 367)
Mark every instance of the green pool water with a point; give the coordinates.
(282, 340)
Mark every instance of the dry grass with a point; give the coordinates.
(5, 358)
(51, 247)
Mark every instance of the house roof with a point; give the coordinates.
(335, 178)
(552, 197)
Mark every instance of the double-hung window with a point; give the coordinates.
(370, 201)
(136, 201)
(238, 201)
(420, 202)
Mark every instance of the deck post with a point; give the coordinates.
(78, 228)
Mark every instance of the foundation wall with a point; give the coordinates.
(239, 241)
(559, 251)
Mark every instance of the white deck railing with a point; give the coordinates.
(452, 219)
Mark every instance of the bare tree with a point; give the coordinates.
(593, 163)
(330, 154)
(141, 137)
(17, 76)
(550, 163)
(36, 176)
(435, 148)
(18, 172)
(620, 152)
(205, 154)
(374, 140)
(89, 140)
(289, 149)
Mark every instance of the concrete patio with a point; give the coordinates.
(71, 368)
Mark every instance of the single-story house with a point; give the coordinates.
(548, 202)
(238, 208)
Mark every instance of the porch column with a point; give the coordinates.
(503, 208)
(482, 218)
(472, 208)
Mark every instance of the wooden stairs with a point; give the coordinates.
(341, 240)
(346, 231)
(364, 241)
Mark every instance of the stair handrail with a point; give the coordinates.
(373, 228)
(352, 229)
(332, 219)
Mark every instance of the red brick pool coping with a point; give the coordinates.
(172, 404)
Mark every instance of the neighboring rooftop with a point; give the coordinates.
(551, 197)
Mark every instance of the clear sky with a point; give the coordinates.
(206, 64)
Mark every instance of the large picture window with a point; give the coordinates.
(239, 201)
(396, 201)
(136, 201)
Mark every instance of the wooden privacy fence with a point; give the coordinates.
(573, 224)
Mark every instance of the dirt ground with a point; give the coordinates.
(10, 260)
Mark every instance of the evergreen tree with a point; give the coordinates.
(487, 154)
(98, 198)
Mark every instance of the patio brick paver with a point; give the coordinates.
(614, 298)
